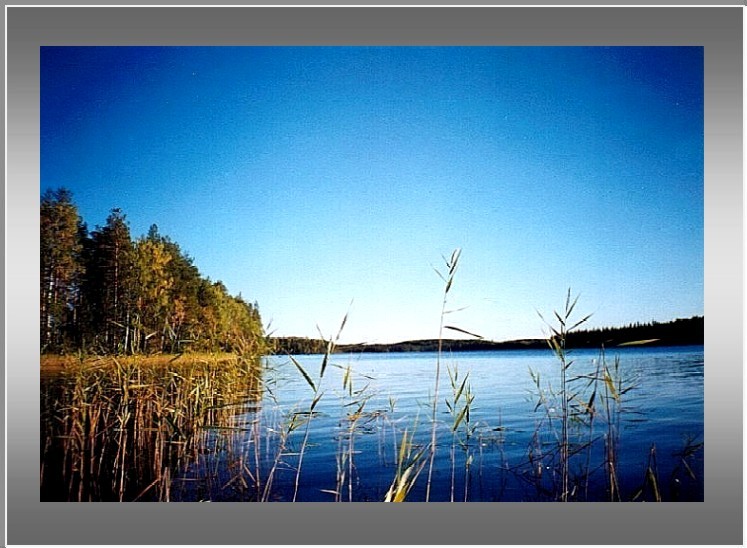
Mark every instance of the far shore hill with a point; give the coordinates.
(679, 332)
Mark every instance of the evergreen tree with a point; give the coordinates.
(111, 279)
(60, 268)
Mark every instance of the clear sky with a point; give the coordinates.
(307, 178)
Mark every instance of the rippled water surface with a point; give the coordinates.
(505, 449)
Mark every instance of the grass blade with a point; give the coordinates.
(459, 418)
(303, 372)
(453, 328)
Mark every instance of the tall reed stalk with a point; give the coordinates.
(557, 342)
(317, 396)
(448, 278)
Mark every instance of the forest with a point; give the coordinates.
(103, 292)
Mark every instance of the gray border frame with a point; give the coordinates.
(718, 520)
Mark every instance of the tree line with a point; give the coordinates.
(682, 331)
(679, 332)
(101, 291)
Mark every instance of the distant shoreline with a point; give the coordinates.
(680, 332)
(460, 345)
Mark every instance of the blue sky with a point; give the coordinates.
(307, 178)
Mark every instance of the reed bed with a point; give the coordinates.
(118, 430)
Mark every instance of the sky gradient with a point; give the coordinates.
(307, 178)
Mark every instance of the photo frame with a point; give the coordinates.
(716, 520)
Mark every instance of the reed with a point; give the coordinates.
(557, 342)
(606, 405)
(118, 429)
(294, 420)
(683, 477)
(650, 483)
(572, 412)
(447, 277)
(355, 417)
(459, 408)
(410, 463)
(317, 396)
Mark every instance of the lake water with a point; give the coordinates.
(505, 449)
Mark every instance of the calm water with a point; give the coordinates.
(510, 451)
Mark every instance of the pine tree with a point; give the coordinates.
(111, 279)
(61, 268)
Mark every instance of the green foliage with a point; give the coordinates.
(110, 285)
(106, 293)
(60, 269)
(298, 345)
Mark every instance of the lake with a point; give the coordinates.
(634, 429)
